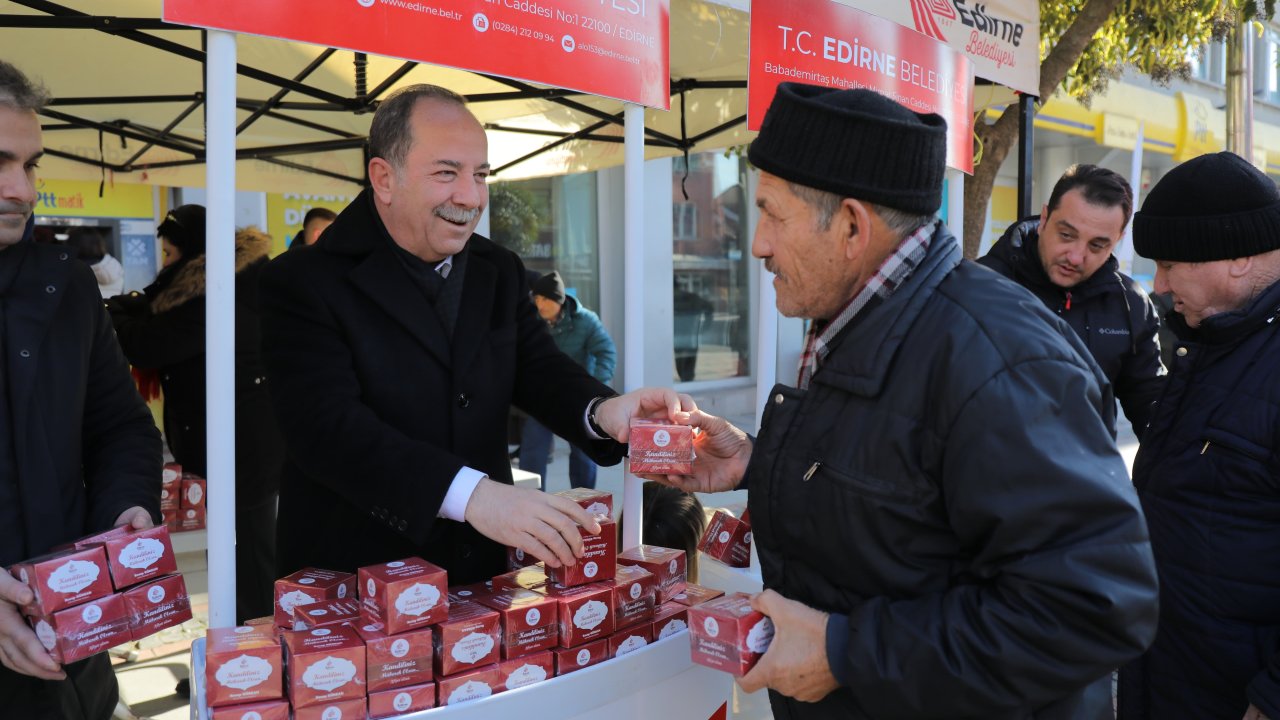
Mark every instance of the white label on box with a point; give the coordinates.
(91, 614)
(342, 591)
(671, 567)
(318, 612)
(519, 555)
(635, 642)
(526, 675)
(662, 438)
(711, 626)
(470, 690)
(532, 617)
(746, 537)
(371, 588)
(294, 598)
(400, 648)
(333, 712)
(396, 564)
(48, 638)
(723, 537)
(155, 594)
(251, 715)
(584, 657)
(418, 599)
(243, 629)
(759, 636)
(591, 614)
(403, 701)
(307, 581)
(472, 647)
(73, 577)
(635, 591)
(590, 569)
(141, 553)
(596, 509)
(329, 673)
(243, 672)
(671, 628)
(194, 493)
(321, 632)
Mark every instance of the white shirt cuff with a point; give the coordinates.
(455, 502)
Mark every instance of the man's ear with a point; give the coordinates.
(382, 178)
(854, 220)
(1240, 267)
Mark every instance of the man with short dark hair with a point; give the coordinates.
(395, 346)
(313, 223)
(1065, 257)
(1208, 470)
(79, 452)
(944, 524)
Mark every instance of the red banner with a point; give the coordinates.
(614, 48)
(821, 42)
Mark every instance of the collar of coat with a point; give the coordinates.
(188, 281)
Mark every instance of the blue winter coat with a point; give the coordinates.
(580, 335)
(1208, 474)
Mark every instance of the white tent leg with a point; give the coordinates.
(633, 303)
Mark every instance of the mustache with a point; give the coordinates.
(455, 214)
(770, 266)
(16, 207)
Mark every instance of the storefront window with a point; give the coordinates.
(551, 224)
(712, 264)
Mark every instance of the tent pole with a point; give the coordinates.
(220, 336)
(633, 300)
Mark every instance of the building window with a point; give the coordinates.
(1209, 63)
(712, 269)
(551, 224)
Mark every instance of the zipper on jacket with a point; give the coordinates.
(1067, 306)
(1205, 449)
(812, 469)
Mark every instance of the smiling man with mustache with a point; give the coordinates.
(1065, 257)
(395, 346)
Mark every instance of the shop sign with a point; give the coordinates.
(285, 212)
(79, 198)
(1196, 134)
(1118, 131)
(821, 42)
(1000, 37)
(614, 48)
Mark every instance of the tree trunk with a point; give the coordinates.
(999, 138)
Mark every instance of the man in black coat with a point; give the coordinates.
(944, 524)
(1208, 470)
(1065, 257)
(395, 346)
(79, 452)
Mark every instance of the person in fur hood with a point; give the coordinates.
(162, 332)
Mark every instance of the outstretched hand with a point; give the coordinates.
(614, 415)
(722, 453)
(20, 649)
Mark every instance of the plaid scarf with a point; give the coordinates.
(887, 278)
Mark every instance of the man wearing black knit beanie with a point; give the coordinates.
(1207, 469)
(943, 525)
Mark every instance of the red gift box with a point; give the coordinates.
(169, 518)
(599, 559)
(194, 489)
(389, 703)
(191, 519)
(660, 448)
(134, 556)
(472, 685)
(528, 619)
(470, 593)
(517, 558)
(571, 659)
(666, 564)
(169, 501)
(404, 594)
(62, 579)
(728, 540)
(353, 709)
(630, 640)
(171, 475)
(528, 670)
(77, 632)
(269, 710)
(728, 635)
(307, 586)
(530, 577)
(159, 604)
(669, 619)
(242, 664)
(393, 661)
(323, 666)
(326, 613)
(596, 502)
(467, 639)
(586, 612)
(696, 595)
(634, 596)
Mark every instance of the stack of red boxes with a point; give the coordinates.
(400, 603)
(75, 612)
(728, 539)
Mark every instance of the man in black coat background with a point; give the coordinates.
(394, 347)
(1066, 258)
(79, 452)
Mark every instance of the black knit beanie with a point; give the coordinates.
(854, 143)
(1214, 207)
(550, 286)
(184, 228)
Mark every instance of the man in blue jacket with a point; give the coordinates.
(1208, 470)
(579, 334)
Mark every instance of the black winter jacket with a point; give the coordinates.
(1109, 311)
(164, 330)
(948, 488)
(1208, 474)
